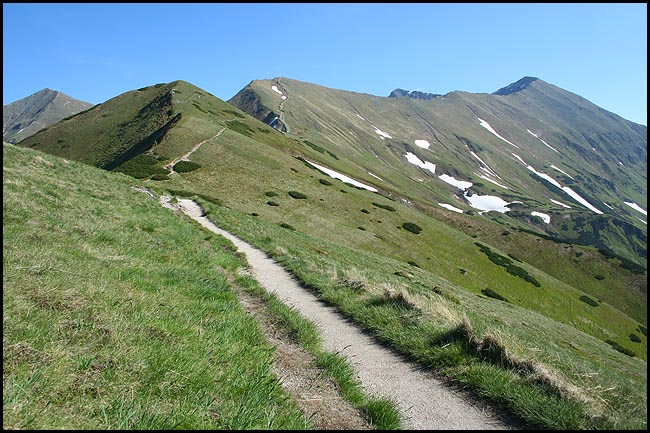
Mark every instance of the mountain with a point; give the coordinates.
(361, 195)
(24, 117)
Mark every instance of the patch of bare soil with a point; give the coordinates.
(317, 395)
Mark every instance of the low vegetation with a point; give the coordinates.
(186, 166)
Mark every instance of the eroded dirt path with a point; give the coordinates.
(424, 401)
(186, 157)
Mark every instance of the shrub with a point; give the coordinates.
(270, 194)
(141, 166)
(599, 277)
(412, 263)
(272, 203)
(523, 274)
(588, 300)
(413, 228)
(642, 329)
(240, 127)
(365, 211)
(620, 348)
(234, 113)
(297, 195)
(635, 338)
(344, 191)
(384, 206)
(325, 182)
(287, 226)
(492, 294)
(361, 228)
(186, 166)
(159, 177)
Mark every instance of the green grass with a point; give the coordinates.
(546, 373)
(114, 316)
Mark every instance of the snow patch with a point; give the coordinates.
(283, 97)
(375, 176)
(450, 207)
(455, 182)
(342, 177)
(413, 159)
(545, 143)
(487, 126)
(488, 203)
(422, 143)
(487, 167)
(381, 133)
(636, 207)
(561, 204)
(493, 181)
(561, 171)
(621, 163)
(644, 222)
(275, 89)
(519, 158)
(545, 217)
(360, 117)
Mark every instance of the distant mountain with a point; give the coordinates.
(24, 117)
(401, 93)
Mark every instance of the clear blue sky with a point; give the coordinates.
(94, 52)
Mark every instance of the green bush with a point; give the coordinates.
(523, 274)
(272, 203)
(635, 338)
(365, 211)
(159, 177)
(141, 166)
(270, 194)
(325, 182)
(492, 294)
(642, 329)
(588, 300)
(287, 226)
(384, 206)
(186, 166)
(413, 228)
(240, 127)
(620, 348)
(234, 113)
(599, 277)
(297, 195)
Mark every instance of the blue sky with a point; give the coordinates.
(94, 52)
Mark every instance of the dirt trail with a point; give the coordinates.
(186, 157)
(424, 401)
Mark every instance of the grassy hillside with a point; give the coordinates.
(117, 314)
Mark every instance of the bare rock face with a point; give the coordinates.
(413, 94)
(25, 117)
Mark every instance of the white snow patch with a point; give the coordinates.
(608, 206)
(488, 169)
(381, 133)
(488, 203)
(644, 222)
(360, 117)
(561, 171)
(545, 217)
(519, 158)
(547, 145)
(545, 176)
(493, 181)
(450, 207)
(636, 207)
(455, 182)
(342, 177)
(424, 144)
(413, 159)
(561, 204)
(275, 89)
(21, 130)
(374, 175)
(283, 97)
(487, 126)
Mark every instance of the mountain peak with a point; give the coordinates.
(413, 94)
(516, 86)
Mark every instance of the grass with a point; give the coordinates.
(547, 374)
(114, 316)
(117, 314)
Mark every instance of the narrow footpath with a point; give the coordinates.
(424, 401)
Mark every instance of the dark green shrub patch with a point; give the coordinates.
(635, 338)
(240, 127)
(412, 263)
(272, 203)
(234, 113)
(384, 206)
(186, 166)
(141, 166)
(365, 211)
(492, 294)
(320, 149)
(297, 195)
(506, 262)
(642, 329)
(361, 228)
(270, 194)
(159, 177)
(599, 277)
(523, 274)
(344, 191)
(512, 256)
(325, 182)
(413, 228)
(287, 226)
(255, 214)
(620, 348)
(588, 300)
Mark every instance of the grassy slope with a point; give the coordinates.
(115, 316)
(580, 382)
